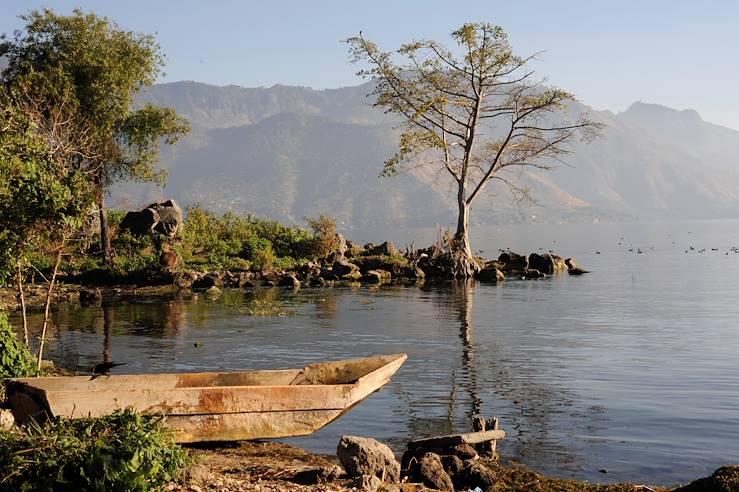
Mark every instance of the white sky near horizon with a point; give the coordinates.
(682, 54)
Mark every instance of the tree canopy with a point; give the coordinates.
(476, 112)
(77, 77)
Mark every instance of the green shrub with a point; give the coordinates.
(121, 451)
(16, 360)
(325, 241)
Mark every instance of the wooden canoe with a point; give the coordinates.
(213, 406)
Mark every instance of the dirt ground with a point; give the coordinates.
(270, 466)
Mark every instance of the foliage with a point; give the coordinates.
(16, 360)
(78, 75)
(213, 242)
(121, 451)
(325, 239)
(476, 113)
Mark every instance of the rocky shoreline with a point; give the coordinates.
(361, 464)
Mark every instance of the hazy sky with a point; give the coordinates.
(683, 54)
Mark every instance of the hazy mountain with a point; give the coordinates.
(290, 152)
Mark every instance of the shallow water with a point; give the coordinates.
(633, 368)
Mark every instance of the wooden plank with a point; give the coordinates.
(453, 440)
(244, 426)
(198, 401)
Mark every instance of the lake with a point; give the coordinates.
(632, 368)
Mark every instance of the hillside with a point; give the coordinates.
(290, 152)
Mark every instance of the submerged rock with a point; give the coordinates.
(366, 456)
(513, 262)
(490, 274)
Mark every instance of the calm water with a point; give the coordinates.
(633, 368)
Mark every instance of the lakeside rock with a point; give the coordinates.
(164, 218)
(429, 471)
(490, 274)
(511, 262)
(366, 456)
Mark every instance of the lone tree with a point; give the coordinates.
(77, 76)
(474, 114)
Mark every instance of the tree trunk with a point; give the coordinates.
(104, 231)
(465, 265)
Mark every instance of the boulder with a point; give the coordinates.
(559, 264)
(184, 280)
(198, 474)
(170, 260)
(464, 451)
(452, 464)
(544, 263)
(366, 456)
(213, 291)
(341, 247)
(532, 273)
(365, 483)
(474, 475)
(328, 274)
(317, 282)
(376, 276)
(513, 262)
(344, 268)
(573, 268)
(207, 281)
(140, 223)
(491, 275)
(170, 218)
(289, 281)
(725, 479)
(430, 471)
(385, 249)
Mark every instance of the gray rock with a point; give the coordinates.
(198, 474)
(140, 223)
(366, 456)
(342, 268)
(452, 464)
(170, 218)
(366, 483)
(464, 451)
(430, 471)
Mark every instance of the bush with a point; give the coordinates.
(121, 451)
(16, 360)
(325, 240)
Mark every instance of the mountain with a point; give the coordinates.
(290, 152)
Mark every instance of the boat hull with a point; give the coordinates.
(226, 406)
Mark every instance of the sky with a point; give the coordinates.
(682, 54)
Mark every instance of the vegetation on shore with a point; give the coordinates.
(121, 451)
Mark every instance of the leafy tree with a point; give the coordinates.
(476, 114)
(78, 75)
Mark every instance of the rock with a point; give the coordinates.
(170, 260)
(342, 268)
(366, 456)
(140, 223)
(544, 263)
(532, 273)
(366, 483)
(317, 282)
(452, 464)
(474, 475)
(513, 262)
(573, 268)
(90, 297)
(342, 247)
(198, 474)
(213, 291)
(559, 264)
(184, 280)
(269, 283)
(385, 249)
(430, 472)
(376, 276)
(289, 281)
(207, 281)
(725, 479)
(464, 452)
(491, 275)
(318, 475)
(328, 274)
(7, 422)
(170, 218)
(571, 263)
(353, 249)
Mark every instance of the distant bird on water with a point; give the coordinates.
(103, 369)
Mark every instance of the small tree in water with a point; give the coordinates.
(473, 115)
